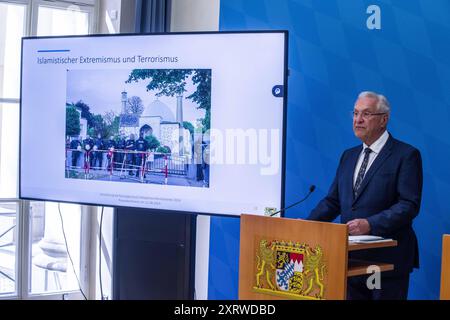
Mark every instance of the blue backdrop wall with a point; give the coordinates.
(332, 57)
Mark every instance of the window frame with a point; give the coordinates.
(84, 6)
(27, 4)
(17, 268)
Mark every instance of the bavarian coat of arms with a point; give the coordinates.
(293, 270)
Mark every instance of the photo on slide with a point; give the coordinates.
(139, 126)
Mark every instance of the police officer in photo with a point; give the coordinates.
(205, 162)
(88, 145)
(120, 147)
(141, 147)
(97, 155)
(111, 146)
(75, 147)
(130, 146)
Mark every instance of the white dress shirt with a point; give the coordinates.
(376, 148)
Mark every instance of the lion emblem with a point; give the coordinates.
(314, 270)
(265, 263)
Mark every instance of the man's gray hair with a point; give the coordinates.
(382, 103)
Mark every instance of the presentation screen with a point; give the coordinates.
(186, 122)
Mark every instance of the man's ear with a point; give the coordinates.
(385, 120)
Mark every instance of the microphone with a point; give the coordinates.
(311, 190)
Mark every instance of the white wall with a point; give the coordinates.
(107, 251)
(198, 15)
(195, 15)
(108, 23)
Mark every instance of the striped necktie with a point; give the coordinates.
(362, 171)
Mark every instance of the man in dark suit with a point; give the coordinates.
(377, 191)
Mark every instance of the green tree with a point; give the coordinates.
(163, 149)
(202, 96)
(188, 126)
(111, 124)
(169, 82)
(114, 127)
(98, 125)
(172, 82)
(152, 141)
(73, 126)
(85, 113)
(206, 121)
(134, 106)
(91, 132)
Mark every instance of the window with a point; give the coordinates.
(60, 18)
(54, 244)
(8, 246)
(9, 149)
(42, 259)
(12, 28)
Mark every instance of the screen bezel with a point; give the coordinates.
(284, 123)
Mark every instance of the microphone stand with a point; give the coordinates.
(311, 190)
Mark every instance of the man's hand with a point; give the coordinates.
(358, 227)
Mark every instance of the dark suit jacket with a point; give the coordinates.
(389, 199)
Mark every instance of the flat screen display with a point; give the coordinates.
(186, 122)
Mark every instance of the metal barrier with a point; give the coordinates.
(150, 162)
(175, 164)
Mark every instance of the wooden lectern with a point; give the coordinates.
(445, 269)
(284, 258)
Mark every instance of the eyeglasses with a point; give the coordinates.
(365, 114)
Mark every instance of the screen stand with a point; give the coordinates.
(154, 254)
